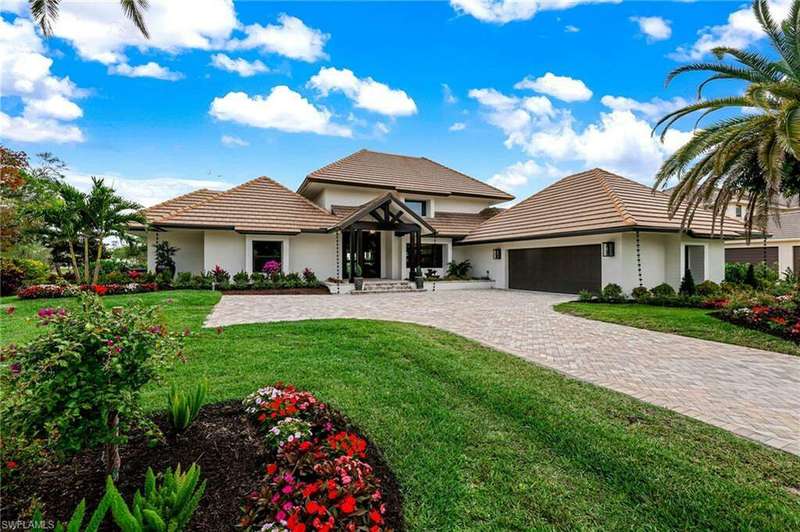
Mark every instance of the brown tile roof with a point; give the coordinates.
(594, 201)
(260, 205)
(446, 224)
(401, 173)
(165, 208)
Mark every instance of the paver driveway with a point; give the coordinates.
(753, 393)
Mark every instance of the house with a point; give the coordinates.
(385, 215)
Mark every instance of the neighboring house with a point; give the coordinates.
(583, 232)
(780, 251)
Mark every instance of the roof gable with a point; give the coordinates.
(591, 202)
(403, 174)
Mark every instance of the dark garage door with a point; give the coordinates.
(753, 255)
(564, 269)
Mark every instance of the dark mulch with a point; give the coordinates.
(278, 291)
(221, 441)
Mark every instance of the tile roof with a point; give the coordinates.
(165, 208)
(401, 173)
(260, 205)
(591, 202)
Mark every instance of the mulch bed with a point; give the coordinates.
(277, 292)
(221, 441)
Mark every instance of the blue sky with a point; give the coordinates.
(322, 80)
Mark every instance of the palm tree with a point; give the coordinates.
(753, 153)
(45, 12)
(108, 215)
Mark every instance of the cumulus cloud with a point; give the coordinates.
(240, 66)
(740, 31)
(290, 38)
(366, 93)
(282, 109)
(654, 28)
(561, 87)
(503, 11)
(231, 141)
(654, 109)
(519, 174)
(47, 100)
(147, 192)
(458, 126)
(147, 70)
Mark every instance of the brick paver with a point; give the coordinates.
(753, 393)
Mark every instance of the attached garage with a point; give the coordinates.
(567, 269)
(752, 255)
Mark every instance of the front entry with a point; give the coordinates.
(370, 259)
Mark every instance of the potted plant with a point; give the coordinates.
(358, 280)
(419, 280)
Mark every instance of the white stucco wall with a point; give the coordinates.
(189, 257)
(315, 251)
(226, 249)
(459, 204)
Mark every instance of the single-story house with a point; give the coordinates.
(781, 250)
(386, 215)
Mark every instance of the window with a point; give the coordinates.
(431, 256)
(418, 206)
(738, 211)
(265, 251)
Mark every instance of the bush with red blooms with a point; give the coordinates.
(318, 484)
(39, 291)
(780, 318)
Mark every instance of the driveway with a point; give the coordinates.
(753, 393)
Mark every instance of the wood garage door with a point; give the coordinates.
(563, 269)
(753, 255)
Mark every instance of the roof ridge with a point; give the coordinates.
(469, 177)
(616, 201)
(207, 200)
(334, 163)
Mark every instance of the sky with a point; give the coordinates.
(517, 94)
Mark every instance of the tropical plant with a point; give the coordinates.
(241, 280)
(687, 287)
(663, 290)
(165, 261)
(612, 292)
(76, 521)
(640, 293)
(183, 407)
(45, 13)
(458, 270)
(753, 154)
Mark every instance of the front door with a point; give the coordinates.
(370, 259)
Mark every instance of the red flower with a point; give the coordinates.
(271, 468)
(299, 528)
(262, 418)
(100, 289)
(11, 464)
(348, 505)
(374, 528)
(305, 445)
(375, 517)
(10, 310)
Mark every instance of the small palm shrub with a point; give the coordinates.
(708, 288)
(663, 290)
(585, 295)
(612, 292)
(310, 278)
(687, 287)
(459, 270)
(183, 280)
(183, 407)
(241, 280)
(640, 293)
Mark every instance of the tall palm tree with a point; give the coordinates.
(45, 12)
(753, 153)
(64, 220)
(109, 216)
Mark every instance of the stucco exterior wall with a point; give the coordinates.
(315, 251)
(189, 257)
(458, 204)
(226, 249)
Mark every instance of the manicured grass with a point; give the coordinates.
(483, 440)
(694, 322)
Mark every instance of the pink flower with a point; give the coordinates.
(280, 516)
(10, 310)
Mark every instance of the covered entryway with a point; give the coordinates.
(566, 270)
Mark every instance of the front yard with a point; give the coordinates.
(483, 440)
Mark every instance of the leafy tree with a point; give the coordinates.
(754, 152)
(45, 12)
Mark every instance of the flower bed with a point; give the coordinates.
(781, 318)
(56, 290)
(322, 475)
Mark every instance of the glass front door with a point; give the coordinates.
(370, 254)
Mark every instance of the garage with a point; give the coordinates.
(753, 255)
(567, 269)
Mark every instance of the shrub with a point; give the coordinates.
(259, 280)
(183, 407)
(663, 290)
(612, 292)
(164, 279)
(640, 293)
(750, 276)
(115, 278)
(735, 272)
(11, 277)
(431, 274)
(219, 275)
(40, 291)
(202, 281)
(293, 280)
(459, 270)
(272, 268)
(165, 261)
(34, 271)
(183, 280)
(310, 278)
(241, 280)
(708, 288)
(585, 295)
(77, 385)
(687, 287)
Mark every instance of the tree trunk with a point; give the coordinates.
(74, 259)
(111, 457)
(85, 259)
(97, 262)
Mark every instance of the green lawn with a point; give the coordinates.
(694, 322)
(483, 440)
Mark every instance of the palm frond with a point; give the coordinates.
(134, 10)
(45, 12)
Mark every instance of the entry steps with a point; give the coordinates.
(389, 286)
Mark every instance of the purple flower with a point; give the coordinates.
(15, 368)
(155, 329)
(46, 312)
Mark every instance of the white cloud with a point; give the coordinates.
(458, 126)
(282, 109)
(569, 28)
(100, 31)
(240, 66)
(447, 94)
(519, 174)
(366, 93)
(654, 109)
(145, 191)
(290, 38)
(147, 70)
(502, 11)
(47, 100)
(561, 87)
(231, 141)
(741, 30)
(18, 7)
(655, 28)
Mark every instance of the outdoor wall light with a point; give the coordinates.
(496, 254)
(608, 249)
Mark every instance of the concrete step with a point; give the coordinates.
(393, 291)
